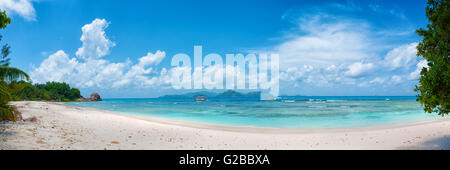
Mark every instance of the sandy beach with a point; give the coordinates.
(60, 126)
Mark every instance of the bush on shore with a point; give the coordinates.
(50, 91)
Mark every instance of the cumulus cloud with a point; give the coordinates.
(322, 49)
(95, 42)
(97, 73)
(358, 69)
(328, 49)
(57, 67)
(138, 74)
(88, 69)
(213, 76)
(295, 73)
(325, 50)
(23, 8)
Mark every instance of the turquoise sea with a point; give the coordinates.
(288, 112)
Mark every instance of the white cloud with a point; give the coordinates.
(343, 50)
(95, 42)
(164, 78)
(395, 79)
(139, 73)
(359, 69)
(24, 8)
(325, 50)
(382, 81)
(213, 77)
(294, 73)
(98, 72)
(403, 56)
(57, 67)
(89, 70)
(322, 50)
(104, 74)
(324, 42)
(377, 80)
(415, 75)
(150, 58)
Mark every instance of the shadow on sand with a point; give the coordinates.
(441, 143)
(4, 125)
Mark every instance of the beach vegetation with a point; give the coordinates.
(434, 82)
(7, 74)
(50, 91)
(15, 85)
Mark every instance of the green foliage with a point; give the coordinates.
(11, 73)
(7, 112)
(4, 20)
(5, 61)
(434, 83)
(50, 91)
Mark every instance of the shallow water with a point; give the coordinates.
(290, 112)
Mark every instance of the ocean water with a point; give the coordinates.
(289, 112)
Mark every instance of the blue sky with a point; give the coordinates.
(326, 47)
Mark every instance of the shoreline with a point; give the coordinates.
(61, 126)
(255, 129)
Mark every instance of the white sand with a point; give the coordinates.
(66, 127)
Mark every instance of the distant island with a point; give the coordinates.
(226, 94)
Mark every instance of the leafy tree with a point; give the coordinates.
(4, 20)
(49, 91)
(25, 90)
(74, 94)
(4, 60)
(7, 74)
(434, 84)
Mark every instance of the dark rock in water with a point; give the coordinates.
(95, 97)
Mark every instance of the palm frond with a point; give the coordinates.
(11, 73)
(4, 93)
(5, 114)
